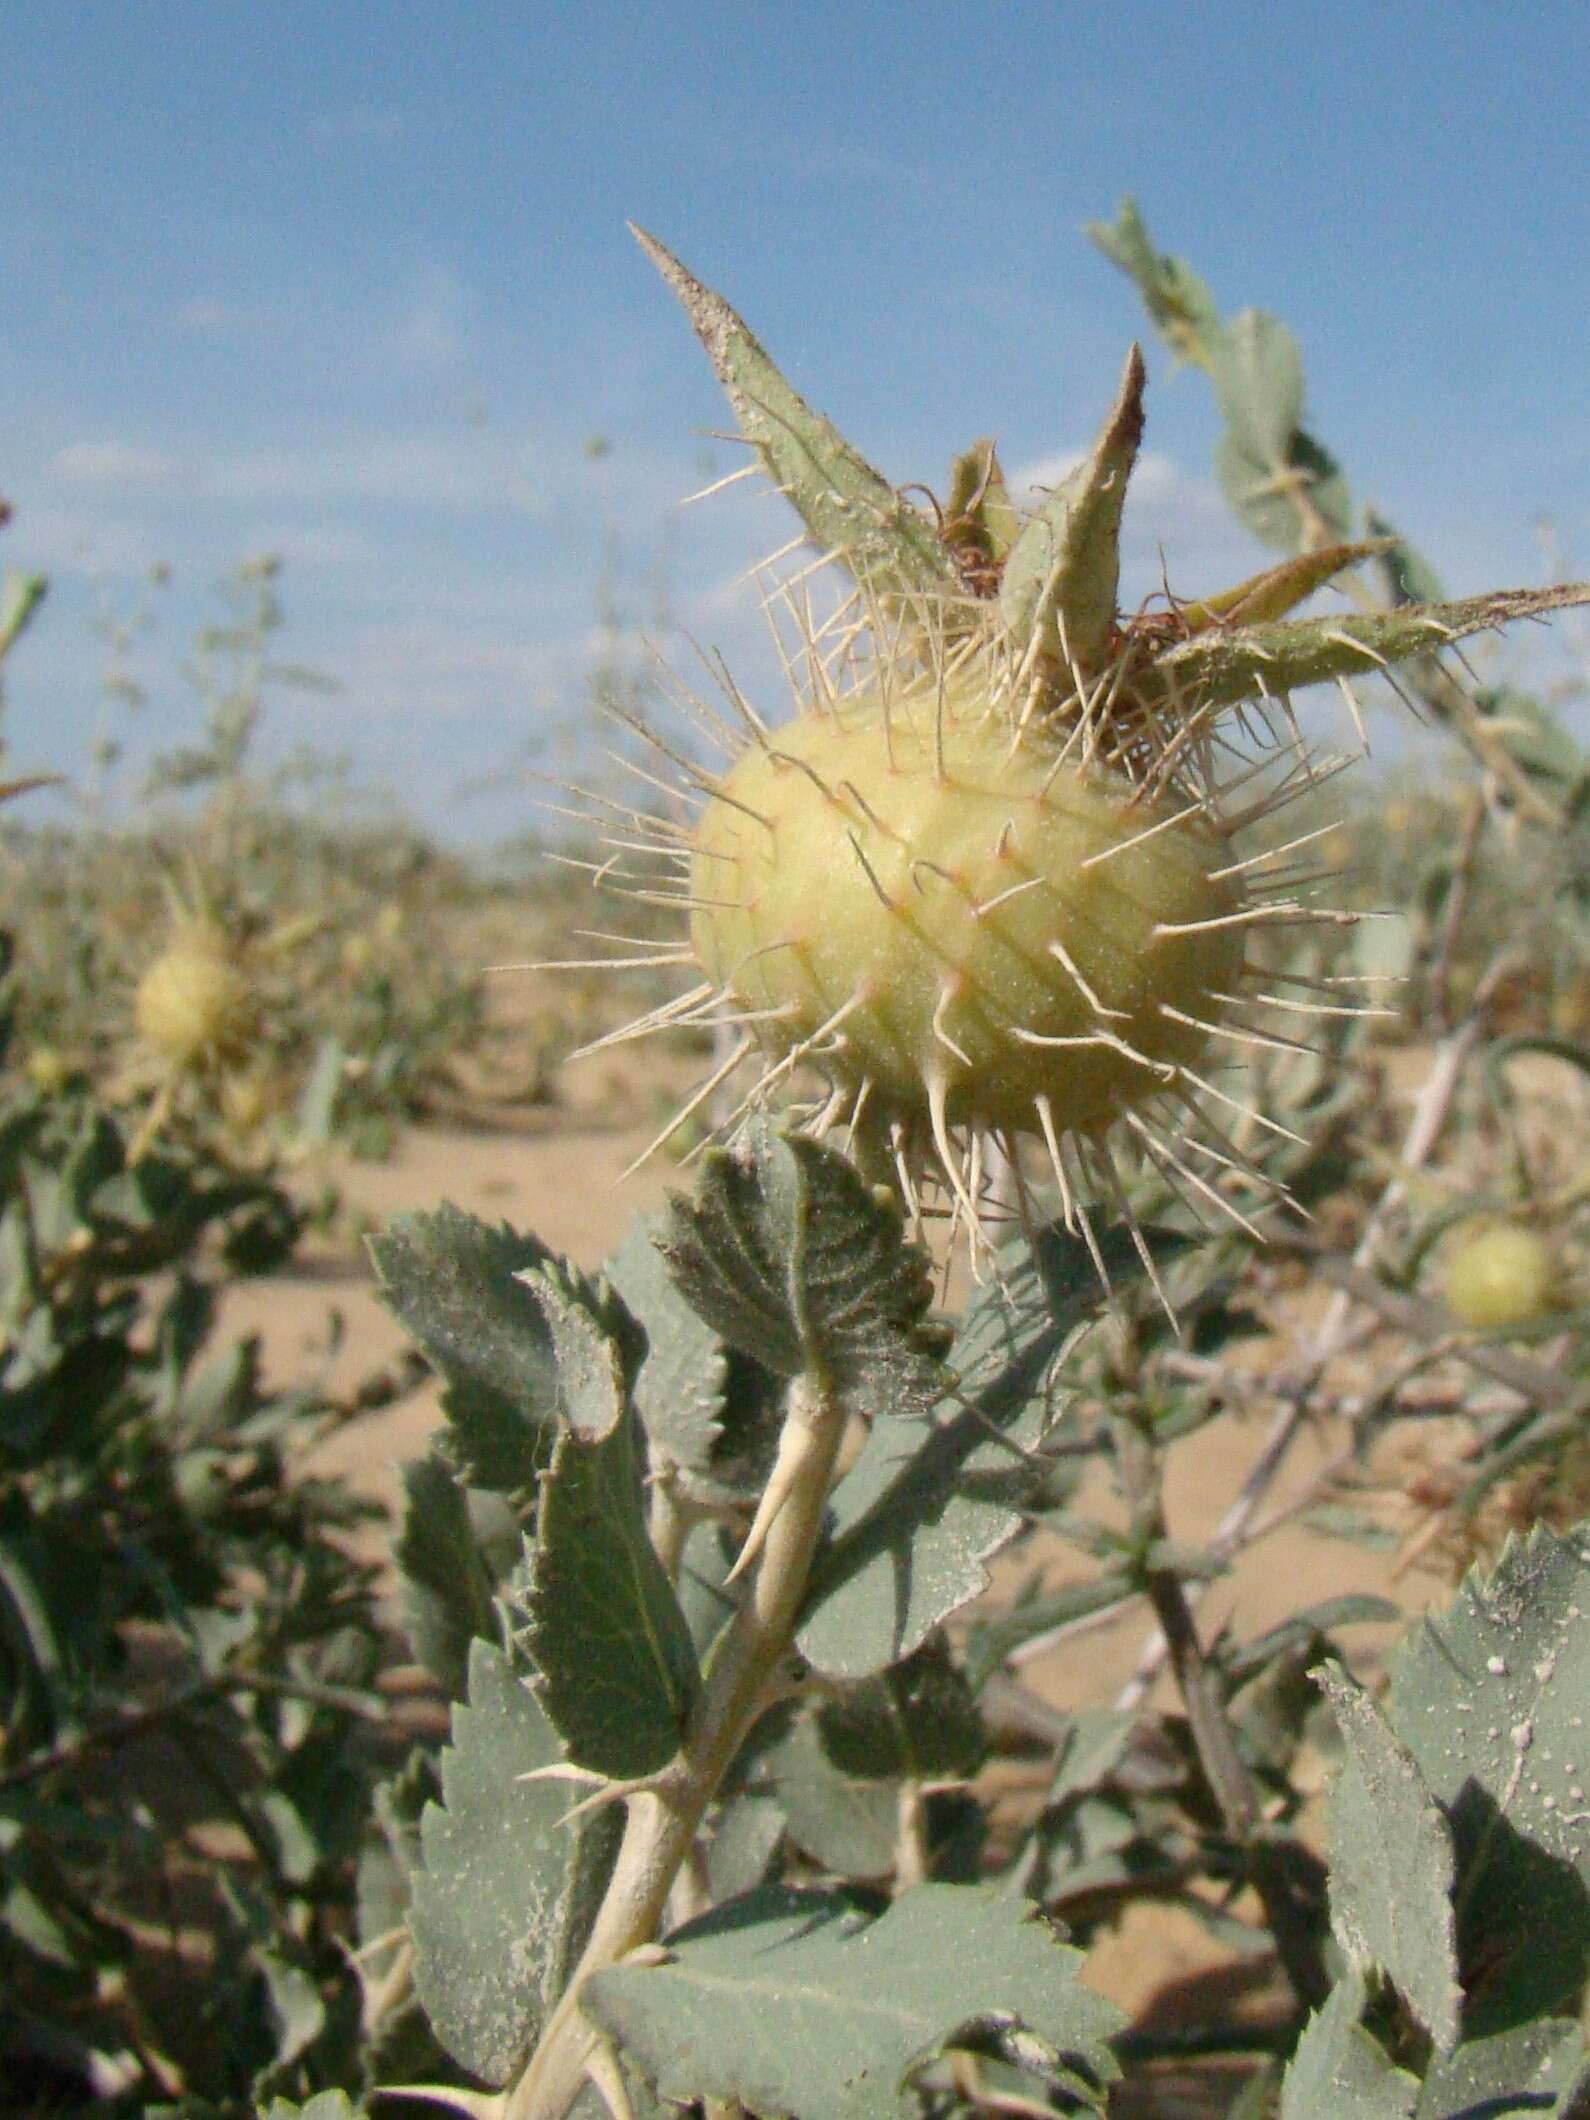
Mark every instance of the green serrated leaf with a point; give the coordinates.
(453, 1280)
(797, 1263)
(1493, 1701)
(1513, 2073)
(504, 1881)
(850, 509)
(1391, 1863)
(795, 2004)
(1220, 668)
(680, 1386)
(1339, 2072)
(447, 1588)
(918, 1517)
(614, 1662)
(1062, 578)
(594, 1351)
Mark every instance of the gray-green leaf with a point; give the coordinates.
(1391, 1863)
(1513, 2072)
(1339, 2072)
(504, 1883)
(615, 1665)
(919, 1516)
(796, 2004)
(447, 1588)
(1493, 1701)
(453, 1280)
(679, 1390)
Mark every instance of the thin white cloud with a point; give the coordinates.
(115, 464)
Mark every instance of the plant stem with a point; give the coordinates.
(1236, 1793)
(664, 1818)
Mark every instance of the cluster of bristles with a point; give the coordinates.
(991, 907)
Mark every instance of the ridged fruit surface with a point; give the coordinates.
(951, 893)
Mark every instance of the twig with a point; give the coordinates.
(1430, 1112)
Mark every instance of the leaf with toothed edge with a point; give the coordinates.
(1493, 1701)
(851, 511)
(447, 1587)
(614, 1664)
(791, 1257)
(1391, 1863)
(796, 2004)
(1340, 2072)
(507, 1883)
(453, 1281)
(1063, 574)
(918, 1517)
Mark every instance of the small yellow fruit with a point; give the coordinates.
(47, 1070)
(1499, 1274)
(193, 1006)
(957, 918)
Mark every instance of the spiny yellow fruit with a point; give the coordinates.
(959, 924)
(193, 1007)
(1499, 1274)
(985, 886)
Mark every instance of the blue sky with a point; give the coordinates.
(352, 283)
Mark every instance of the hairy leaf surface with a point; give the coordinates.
(796, 2004)
(453, 1280)
(1493, 1701)
(504, 1885)
(1391, 1863)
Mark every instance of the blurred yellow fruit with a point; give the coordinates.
(193, 1006)
(1499, 1274)
(247, 1101)
(47, 1070)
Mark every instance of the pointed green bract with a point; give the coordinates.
(851, 511)
(1216, 669)
(1062, 578)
